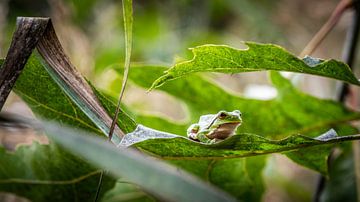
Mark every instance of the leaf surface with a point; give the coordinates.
(40, 172)
(239, 145)
(257, 57)
(50, 102)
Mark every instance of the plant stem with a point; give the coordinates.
(98, 189)
(350, 46)
(349, 58)
(326, 28)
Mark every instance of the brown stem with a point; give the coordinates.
(326, 28)
(349, 58)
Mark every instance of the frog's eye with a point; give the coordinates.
(222, 115)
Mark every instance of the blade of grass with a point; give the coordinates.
(128, 21)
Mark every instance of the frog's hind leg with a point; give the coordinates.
(215, 140)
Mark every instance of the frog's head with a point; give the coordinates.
(224, 124)
(224, 117)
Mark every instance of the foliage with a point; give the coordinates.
(39, 172)
(289, 124)
(220, 58)
(49, 107)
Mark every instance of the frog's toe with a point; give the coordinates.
(192, 136)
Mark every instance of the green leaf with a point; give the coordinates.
(125, 191)
(153, 175)
(341, 184)
(50, 102)
(128, 24)
(240, 177)
(239, 145)
(258, 57)
(43, 172)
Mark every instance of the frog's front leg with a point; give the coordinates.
(202, 137)
(192, 131)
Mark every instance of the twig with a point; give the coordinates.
(350, 46)
(326, 28)
(98, 189)
(349, 58)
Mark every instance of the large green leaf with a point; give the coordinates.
(43, 172)
(258, 57)
(170, 146)
(50, 102)
(153, 175)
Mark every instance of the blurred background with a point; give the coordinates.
(91, 31)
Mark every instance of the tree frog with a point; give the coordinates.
(212, 128)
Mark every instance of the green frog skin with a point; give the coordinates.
(212, 128)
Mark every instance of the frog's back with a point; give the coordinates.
(205, 120)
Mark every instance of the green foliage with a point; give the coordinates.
(292, 112)
(258, 57)
(40, 172)
(35, 174)
(239, 145)
(50, 102)
(46, 83)
(341, 184)
(154, 176)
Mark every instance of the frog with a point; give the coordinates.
(213, 128)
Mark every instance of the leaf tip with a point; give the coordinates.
(160, 81)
